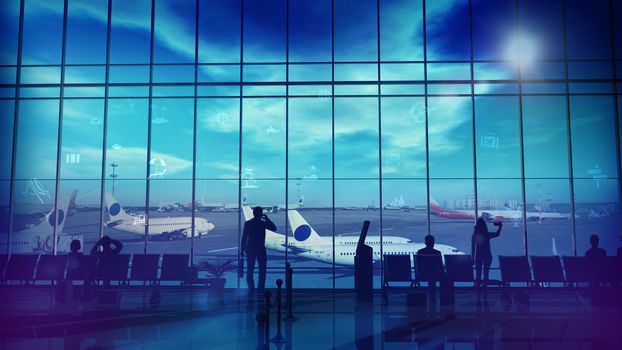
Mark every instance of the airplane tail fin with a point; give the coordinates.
(54, 218)
(434, 206)
(248, 212)
(303, 232)
(115, 211)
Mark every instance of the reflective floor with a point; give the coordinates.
(33, 318)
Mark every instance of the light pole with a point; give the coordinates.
(113, 175)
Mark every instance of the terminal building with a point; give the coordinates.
(162, 123)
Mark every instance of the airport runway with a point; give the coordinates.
(545, 238)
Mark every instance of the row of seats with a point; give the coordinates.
(144, 267)
(514, 269)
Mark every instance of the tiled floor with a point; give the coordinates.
(326, 319)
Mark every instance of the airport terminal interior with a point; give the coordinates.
(139, 137)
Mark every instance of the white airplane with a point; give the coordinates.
(307, 243)
(397, 204)
(39, 238)
(162, 228)
(300, 203)
(494, 215)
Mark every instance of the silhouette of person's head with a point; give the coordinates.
(257, 211)
(75, 246)
(594, 240)
(480, 224)
(106, 241)
(429, 241)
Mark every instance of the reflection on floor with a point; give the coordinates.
(326, 319)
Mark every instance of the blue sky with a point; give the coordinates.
(356, 125)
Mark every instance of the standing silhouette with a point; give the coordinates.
(596, 260)
(106, 257)
(254, 245)
(480, 249)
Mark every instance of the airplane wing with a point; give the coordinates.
(294, 249)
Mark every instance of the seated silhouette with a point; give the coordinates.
(430, 270)
(596, 260)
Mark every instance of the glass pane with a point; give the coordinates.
(549, 218)
(218, 123)
(501, 200)
(597, 208)
(405, 204)
(310, 204)
(403, 137)
(9, 22)
(447, 25)
(171, 139)
(617, 8)
(43, 31)
(356, 31)
(310, 31)
(494, 28)
(310, 140)
(130, 36)
(263, 137)
(401, 30)
(126, 147)
(86, 31)
(355, 202)
(37, 140)
(542, 28)
(589, 29)
(497, 137)
(356, 137)
(5, 187)
(545, 135)
(82, 219)
(170, 216)
(125, 214)
(452, 213)
(450, 137)
(264, 31)
(7, 117)
(592, 120)
(82, 132)
(219, 31)
(217, 232)
(174, 31)
(34, 216)
(269, 194)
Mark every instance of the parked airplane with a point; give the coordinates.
(274, 208)
(397, 204)
(493, 215)
(307, 243)
(39, 238)
(162, 228)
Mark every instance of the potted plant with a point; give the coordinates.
(215, 269)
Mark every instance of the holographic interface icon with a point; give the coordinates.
(597, 175)
(417, 113)
(34, 187)
(222, 119)
(158, 115)
(158, 168)
(248, 178)
(489, 140)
